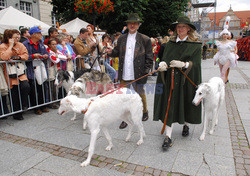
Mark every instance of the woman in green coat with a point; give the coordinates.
(182, 51)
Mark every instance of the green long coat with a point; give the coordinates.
(181, 108)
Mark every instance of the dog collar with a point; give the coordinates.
(84, 112)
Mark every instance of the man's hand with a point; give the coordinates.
(177, 64)
(163, 66)
(36, 56)
(92, 43)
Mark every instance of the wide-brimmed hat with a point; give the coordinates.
(133, 17)
(182, 19)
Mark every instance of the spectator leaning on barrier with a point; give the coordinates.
(135, 58)
(82, 46)
(55, 57)
(64, 47)
(37, 57)
(11, 49)
(53, 33)
(24, 34)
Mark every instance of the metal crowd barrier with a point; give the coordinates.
(6, 100)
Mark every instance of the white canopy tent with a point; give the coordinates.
(73, 27)
(11, 18)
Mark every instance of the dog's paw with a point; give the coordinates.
(202, 137)
(109, 147)
(139, 142)
(84, 125)
(216, 122)
(127, 139)
(85, 163)
(211, 131)
(73, 118)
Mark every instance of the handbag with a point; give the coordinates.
(40, 73)
(70, 65)
(52, 72)
(15, 70)
(3, 86)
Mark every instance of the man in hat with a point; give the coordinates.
(37, 51)
(135, 59)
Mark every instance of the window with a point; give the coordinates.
(26, 7)
(2, 4)
(53, 19)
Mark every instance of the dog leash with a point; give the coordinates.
(103, 95)
(172, 87)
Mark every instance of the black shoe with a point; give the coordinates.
(123, 125)
(227, 82)
(185, 131)
(167, 143)
(145, 116)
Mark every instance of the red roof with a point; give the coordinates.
(244, 16)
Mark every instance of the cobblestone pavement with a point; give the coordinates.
(53, 145)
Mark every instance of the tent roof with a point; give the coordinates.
(11, 18)
(73, 27)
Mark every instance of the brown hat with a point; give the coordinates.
(133, 17)
(182, 19)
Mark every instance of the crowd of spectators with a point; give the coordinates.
(44, 56)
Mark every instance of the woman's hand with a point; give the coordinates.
(177, 64)
(163, 66)
(11, 43)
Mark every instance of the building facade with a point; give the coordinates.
(192, 13)
(238, 19)
(30, 7)
(46, 13)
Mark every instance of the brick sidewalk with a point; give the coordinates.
(80, 156)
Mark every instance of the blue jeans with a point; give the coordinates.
(110, 70)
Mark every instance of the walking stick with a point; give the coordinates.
(169, 98)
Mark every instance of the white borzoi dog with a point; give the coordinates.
(212, 94)
(123, 104)
(90, 84)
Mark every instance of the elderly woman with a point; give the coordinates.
(12, 49)
(183, 51)
(65, 48)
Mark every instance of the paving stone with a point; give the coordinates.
(37, 172)
(187, 162)
(220, 165)
(156, 172)
(139, 168)
(56, 165)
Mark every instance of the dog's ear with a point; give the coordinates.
(207, 88)
(66, 75)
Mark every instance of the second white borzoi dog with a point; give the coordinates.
(123, 104)
(212, 94)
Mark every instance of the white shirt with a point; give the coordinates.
(128, 66)
(179, 40)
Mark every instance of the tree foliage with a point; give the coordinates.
(157, 15)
